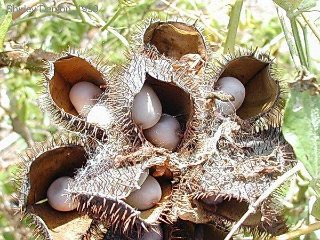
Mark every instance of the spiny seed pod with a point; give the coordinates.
(126, 100)
(73, 83)
(103, 189)
(42, 166)
(175, 39)
(241, 171)
(263, 100)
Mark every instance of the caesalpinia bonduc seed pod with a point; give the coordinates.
(181, 42)
(263, 102)
(41, 168)
(126, 192)
(73, 83)
(242, 170)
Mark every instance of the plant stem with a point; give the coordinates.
(47, 15)
(306, 43)
(299, 232)
(253, 207)
(297, 40)
(233, 26)
(288, 37)
(112, 19)
(79, 11)
(312, 26)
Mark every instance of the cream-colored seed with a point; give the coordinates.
(57, 195)
(100, 115)
(166, 133)
(82, 95)
(147, 196)
(234, 87)
(147, 109)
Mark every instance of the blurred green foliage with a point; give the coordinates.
(57, 32)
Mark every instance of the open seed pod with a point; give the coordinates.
(41, 167)
(129, 97)
(175, 40)
(62, 74)
(240, 175)
(103, 190)
(190, 231)
(263, 102)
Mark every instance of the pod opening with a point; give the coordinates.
(174, 100)
(230, 208)
(68, 71)
(48, 166)
(175, 39)
(261, 90)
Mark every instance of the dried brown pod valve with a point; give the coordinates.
(175, 39)
(263, 103)
(241, 171)
(177, 91)
(64, 72)
(102, 193)
(41, 166)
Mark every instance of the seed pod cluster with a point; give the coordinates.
(179, 143)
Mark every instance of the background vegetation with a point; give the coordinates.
(289, 30)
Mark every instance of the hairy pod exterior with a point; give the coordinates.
(40, 168)
(263, 103)
(61, 75)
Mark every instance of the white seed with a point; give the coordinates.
(57, 195)
(166, 133)
(100, 115)
(147, 196)
(147, 109)
(84, 94)
(234, 87)
(155, 233)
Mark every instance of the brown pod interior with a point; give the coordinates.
(208, 232)
(174, 100)
(191, 231)
(262, 91)
(67, 72)
(232, 210)
(175, 39)
(48, 166)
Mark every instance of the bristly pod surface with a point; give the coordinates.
(72, 85)
(263, 102)
(146, 91)
(242, 170)
(42, 167)
(175, 39)
(127, 192)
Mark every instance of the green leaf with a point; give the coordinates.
(301, 128)
(315, 184)
(4, 27)
(119, 36)
(316, 209)
(291, 5)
